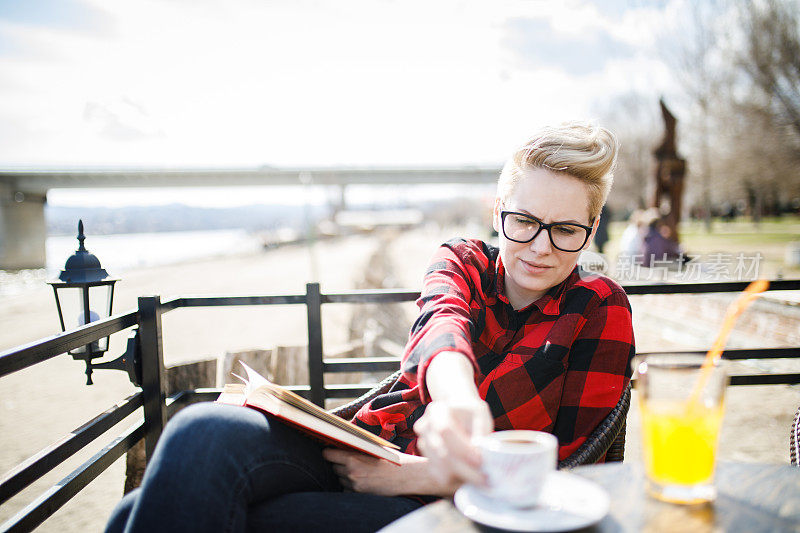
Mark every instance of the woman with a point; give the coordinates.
(515, 337)
(631, 242)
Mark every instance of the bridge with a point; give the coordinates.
(23, 192)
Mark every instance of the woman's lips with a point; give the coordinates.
(533, 267)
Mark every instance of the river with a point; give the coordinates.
(121, 252)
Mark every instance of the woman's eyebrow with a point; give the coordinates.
(571, 221)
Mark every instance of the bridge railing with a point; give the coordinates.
(156, 407)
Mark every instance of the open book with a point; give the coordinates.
(257, 392)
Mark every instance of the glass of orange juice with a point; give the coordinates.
(681, 404)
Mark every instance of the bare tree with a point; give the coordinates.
(766, 108)
(633, 117)
(696, 53)
(770, 54)
(738, 62)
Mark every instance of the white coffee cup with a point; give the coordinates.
(517, 463)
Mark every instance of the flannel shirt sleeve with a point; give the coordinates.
(444, 322)
(599, 369)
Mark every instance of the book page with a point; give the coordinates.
(233, 394)
(254, 379)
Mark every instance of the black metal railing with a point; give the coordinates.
(156, 407)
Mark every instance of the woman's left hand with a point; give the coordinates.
(363, 473)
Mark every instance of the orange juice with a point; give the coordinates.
(681, 404)
(680, 441)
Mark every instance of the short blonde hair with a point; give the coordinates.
(579, 149)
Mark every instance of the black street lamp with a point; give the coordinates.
(84, 293)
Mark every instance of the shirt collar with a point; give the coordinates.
(549, 304)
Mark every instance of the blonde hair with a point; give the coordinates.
(579, 149)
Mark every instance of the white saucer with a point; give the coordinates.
(568, 502)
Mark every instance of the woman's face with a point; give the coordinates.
(533, 268)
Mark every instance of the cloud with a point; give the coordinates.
(305, 82)
(537, 43)
(120, 120)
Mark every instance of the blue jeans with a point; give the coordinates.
(224, 468)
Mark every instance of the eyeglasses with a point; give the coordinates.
(565, 236)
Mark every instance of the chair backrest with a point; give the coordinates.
(607, 440)
(349, 410)
(794, 439)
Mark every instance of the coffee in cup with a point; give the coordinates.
(517, 463)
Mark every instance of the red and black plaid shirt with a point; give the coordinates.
(559, 365)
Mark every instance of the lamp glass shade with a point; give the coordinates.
(69, 306)
(80, 304)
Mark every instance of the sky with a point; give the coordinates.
(245, 83)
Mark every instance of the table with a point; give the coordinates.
(752, 498)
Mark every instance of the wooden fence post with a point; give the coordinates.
(154, 387)
(314, 310)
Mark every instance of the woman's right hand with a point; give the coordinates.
(453, 421)
(447, 434)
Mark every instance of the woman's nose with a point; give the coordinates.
(541, 243)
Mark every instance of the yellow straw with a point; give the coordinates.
(736, 308)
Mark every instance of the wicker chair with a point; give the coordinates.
(794, 439)
(607, 439)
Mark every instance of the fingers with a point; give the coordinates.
(350, 467)
(446, 435)
(461, 449)
(482, 422)
(343, 474)
(458, 446)
(339, 460)
(450, 460)
(348, 458)
(334, 455)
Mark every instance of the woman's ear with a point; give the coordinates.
(591, 235)
(496, 222)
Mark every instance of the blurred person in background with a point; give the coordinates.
(658, 244)
(631, 242)
(601, 235)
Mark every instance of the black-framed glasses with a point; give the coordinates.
(565, 236)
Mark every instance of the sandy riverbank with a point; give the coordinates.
(40, 404)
